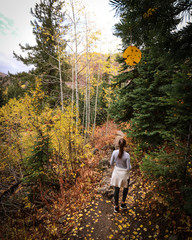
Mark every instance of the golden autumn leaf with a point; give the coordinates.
(120, 227)
(132, 55)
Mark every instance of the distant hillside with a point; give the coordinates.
(3, 74)
(98, 62)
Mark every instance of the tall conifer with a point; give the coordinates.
(155, 95)
(148, 88)
(49, 19)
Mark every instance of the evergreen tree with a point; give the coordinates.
(2, 96)
(37, 164)
(155, 95)
(140, 100)
(153, 24)
(19, 84)
(49, 19)
(180, 99)
(149, 87)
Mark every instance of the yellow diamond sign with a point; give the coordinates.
(132, 55)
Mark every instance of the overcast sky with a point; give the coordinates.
(15, 28)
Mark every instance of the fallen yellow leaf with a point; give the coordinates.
(120, 227)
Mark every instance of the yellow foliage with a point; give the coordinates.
(149, 12)
(23, 120)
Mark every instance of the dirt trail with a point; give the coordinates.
(119, 134)
(98, 221)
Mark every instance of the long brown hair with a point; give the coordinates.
(122, 144)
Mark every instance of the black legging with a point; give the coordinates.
(116, 194)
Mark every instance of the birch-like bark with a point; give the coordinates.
(72, 76)
(96, 98)
(87, 98)
(107, 125)
(83, 124)
(76, 63)
(61, 83)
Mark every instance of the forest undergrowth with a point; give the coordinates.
(77, 211)
(49, 210)
(147, 216)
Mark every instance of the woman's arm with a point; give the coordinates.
(112, 161)
(128, 164)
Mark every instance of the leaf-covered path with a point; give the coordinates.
(141, 220)
(147, 216)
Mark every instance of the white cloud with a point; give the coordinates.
(18, 12)
(19, 32)
(10, 64)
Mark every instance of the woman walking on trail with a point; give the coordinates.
(121, 173)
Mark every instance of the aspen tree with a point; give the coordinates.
(75, 11)
(91, 37)
(82, 38)
(96, 95)
(87, 112)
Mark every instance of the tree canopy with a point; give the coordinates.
(49, 27)
(154, 96)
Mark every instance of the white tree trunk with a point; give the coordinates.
(76, 63)
(87, 96)
(107, 125)
(61, 84)
(72, 76)
(96, 98)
